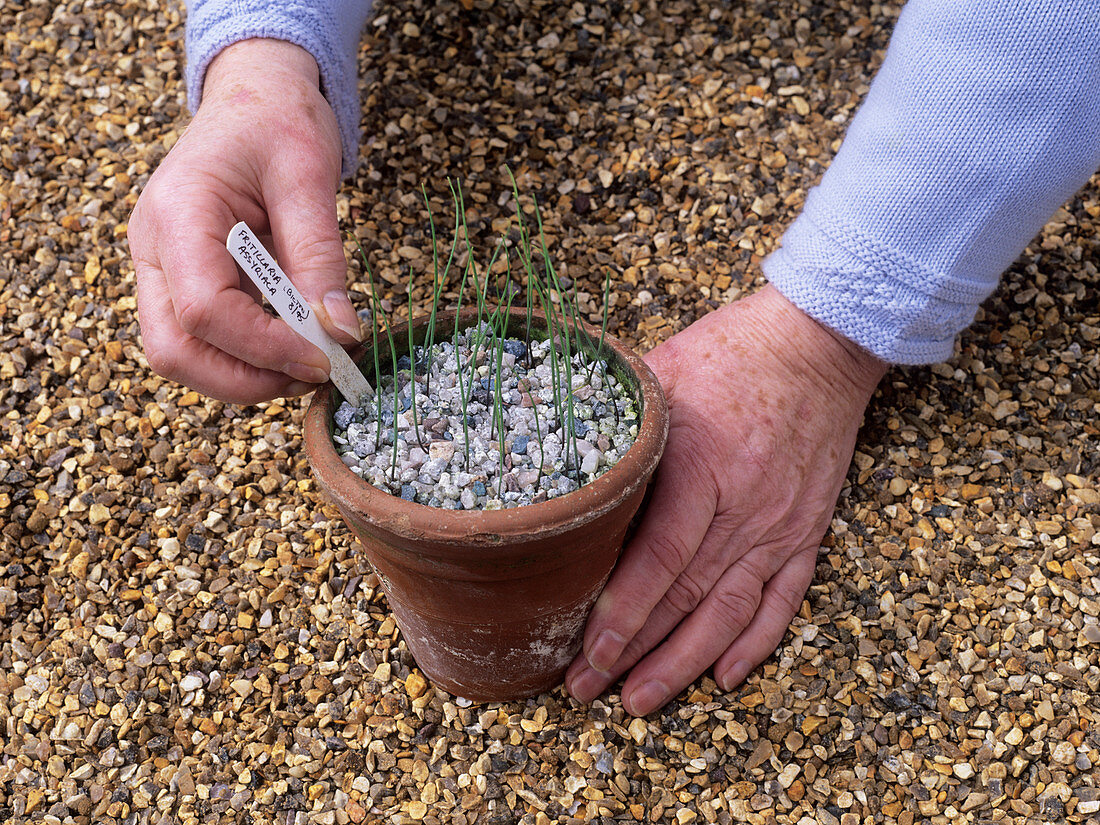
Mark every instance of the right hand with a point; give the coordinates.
(264, 147)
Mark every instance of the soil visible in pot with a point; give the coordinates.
(480, 424)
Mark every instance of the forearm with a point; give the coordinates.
(980, 123)
(328, 29)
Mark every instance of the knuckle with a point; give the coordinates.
(632, 654)
(684, 595)
(194, 313)
(737, 607)
(669, 555)
(311, 160)
(321, 252)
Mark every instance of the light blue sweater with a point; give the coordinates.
(983, 119)
(327, 29)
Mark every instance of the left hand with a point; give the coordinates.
(764, 406)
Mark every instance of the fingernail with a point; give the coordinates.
(306, 372)
(735, 675)
(587, 685)
(342, 313)
(605, 651)
(646, 699)
(296, 388)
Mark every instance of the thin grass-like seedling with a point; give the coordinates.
(437, 285)
(552, 279)
(481, 285)
(555, 371)
(534, 283)
(569, 306)
(571, 355)
(480, 289)
(538, 435)
(524, 252)
(603, 323)
(552, 283)
(393, 359)
(605, 380)
(464, 398)
(479, 292)
(498, 401)
(376, 312)
(527, 336)
(498, 321)
(412, 370)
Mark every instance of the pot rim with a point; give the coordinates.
(420, 522)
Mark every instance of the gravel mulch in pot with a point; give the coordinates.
(186, 633)
(447, 436)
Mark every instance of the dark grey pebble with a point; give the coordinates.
(408, 492)
(519, 446)
(896, 700)
(479, 488)
(516, 347)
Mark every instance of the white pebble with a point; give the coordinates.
(591, 462)
(190, 682)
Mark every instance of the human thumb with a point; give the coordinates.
(307, 243)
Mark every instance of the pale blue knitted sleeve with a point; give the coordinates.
(983, 119)
(327, 29)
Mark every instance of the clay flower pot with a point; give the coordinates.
(492, 604)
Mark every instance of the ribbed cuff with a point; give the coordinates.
(890, 305)
(213, 26)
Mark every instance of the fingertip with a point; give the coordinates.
(306, 373)
(643, 700)
(605, 651)
(342, 316)
(586, 684)
(734, 675)
(296, 388)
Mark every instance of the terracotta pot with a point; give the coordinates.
(492, 604)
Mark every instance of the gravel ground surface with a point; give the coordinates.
(186, 631)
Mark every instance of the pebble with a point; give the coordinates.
(191, 682)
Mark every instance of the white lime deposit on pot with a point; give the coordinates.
(539, 460)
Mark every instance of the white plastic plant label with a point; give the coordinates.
(265, 273)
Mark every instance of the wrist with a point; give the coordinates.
(274, 60)
(822, 351)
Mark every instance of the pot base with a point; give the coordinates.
(495, 661)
